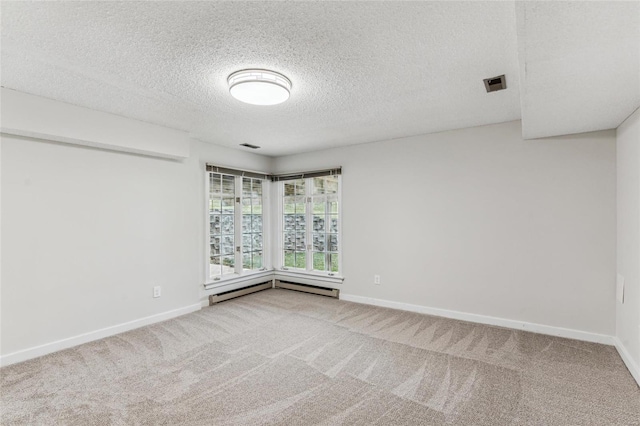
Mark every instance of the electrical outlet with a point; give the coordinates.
(376, 279)
(157, 291)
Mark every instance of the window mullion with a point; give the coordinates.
(327, 228)
(237, 225)
(207, 190)
(339, 212)
(309, 220)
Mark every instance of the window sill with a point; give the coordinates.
(232, 282)
(306, 277)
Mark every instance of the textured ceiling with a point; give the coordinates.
(579, 65)
(361, 71)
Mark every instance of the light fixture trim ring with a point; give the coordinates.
(259, 76)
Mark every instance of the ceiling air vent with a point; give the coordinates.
(494, 84)
(248, 145)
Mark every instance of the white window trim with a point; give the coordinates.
(240, 276)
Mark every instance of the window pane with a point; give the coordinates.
(215, 225)
(289, 259)
(246, 187)
(333, 242)
(257, 259)
(301, 260)
(228, 205)
(215, 269)
(318, 242)
(331, 185)
(256, 188)
(289, 188)
(334, 224)
(257, 242)
(215, 183)
(228, 263)
(323, 211)
(215, 205)
(256, 207)
(246, 243)
(318, 261)
(333, 206)
(228, 185)
(246, 206)
(221, 223)
(319, 206)
(256, 221)
(227, 224)
(318, 223)
(334, 262)
(289, 205)
(318, 185)
(246, 261)
(215, 246)
(227, 244)
(289, 241)
(289, 223)
(246, 223)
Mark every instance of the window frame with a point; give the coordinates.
(239, 274)
(278, 256)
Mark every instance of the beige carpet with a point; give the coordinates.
(283, 357)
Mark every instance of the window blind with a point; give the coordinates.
(237, 172)
(304, 175)
(287, 176)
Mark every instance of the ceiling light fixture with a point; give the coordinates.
(259, 87)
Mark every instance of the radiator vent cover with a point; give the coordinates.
(306, 288)
(232, 294)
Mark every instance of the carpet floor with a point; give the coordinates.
(284, 357)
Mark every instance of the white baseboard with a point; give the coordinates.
(484, 319)
(634, 369)
(59, 345)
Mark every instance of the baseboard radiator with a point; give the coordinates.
(217, 298)
(331, 292)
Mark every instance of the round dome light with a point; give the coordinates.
(259, 87)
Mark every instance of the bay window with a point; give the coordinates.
(305, 233)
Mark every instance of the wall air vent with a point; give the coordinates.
(494, 84)
(248, 145)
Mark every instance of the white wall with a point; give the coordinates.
(87, 233)
(482, 222)
(628, 314)
(485, 223)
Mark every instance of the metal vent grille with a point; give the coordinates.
(494, 84)
(248, 145)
